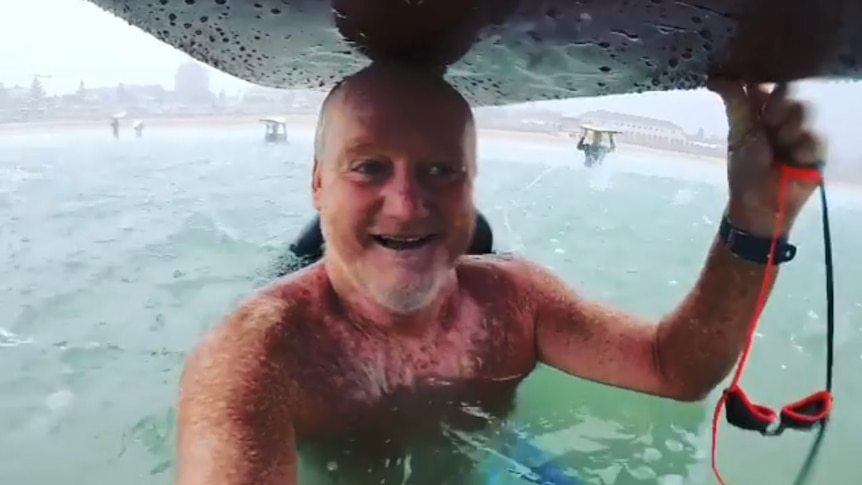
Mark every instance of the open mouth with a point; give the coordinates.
(402, 243)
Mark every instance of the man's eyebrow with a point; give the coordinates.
(359, 147)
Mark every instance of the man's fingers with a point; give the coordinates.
(736, 106)
(732, 93)
(777, 107)
(791, 126)
(752, 104)
(758, 97)
(807, 149)
(785, 119)
(779, 91)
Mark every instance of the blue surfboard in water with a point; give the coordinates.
(527, 461)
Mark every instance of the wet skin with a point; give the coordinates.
(369, 396)
(394, 336)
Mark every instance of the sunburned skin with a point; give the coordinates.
(368, 396)
(364, 361)
(396, 393)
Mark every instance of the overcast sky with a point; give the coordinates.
(73, 40)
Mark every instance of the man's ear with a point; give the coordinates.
(316, 185)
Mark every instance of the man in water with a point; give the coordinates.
(395, 338)
(596, 151)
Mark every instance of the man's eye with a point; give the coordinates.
(443, 170)
(371, 167)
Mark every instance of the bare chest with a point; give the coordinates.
(380, 366)
(472, 363)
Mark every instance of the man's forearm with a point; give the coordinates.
(698, 343)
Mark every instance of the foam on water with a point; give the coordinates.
(601, 177)
(683, 196)
(9, 339)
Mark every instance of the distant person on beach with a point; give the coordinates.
(596, 151)
(370, 358)
(115, 127)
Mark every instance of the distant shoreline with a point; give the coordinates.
(218, 121)
(308, 121)
(547, 138)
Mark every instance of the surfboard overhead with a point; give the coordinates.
(599, 129)
(506, 51)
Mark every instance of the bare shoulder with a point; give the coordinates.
(240, 348)
(237, 397)
(514, 279)
(517, 270)
(489, 269)
(498, 262)
(538, 290)
(240, 342)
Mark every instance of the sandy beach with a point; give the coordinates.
(546, 138)
(216, 122)
(308, 121)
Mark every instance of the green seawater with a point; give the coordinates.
(116, 256)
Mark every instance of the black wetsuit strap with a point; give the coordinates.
(309, 244)
(483, 237)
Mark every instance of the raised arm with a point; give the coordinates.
(693, 348)
(683, 356)
(234, 418)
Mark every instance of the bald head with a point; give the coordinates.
(381, 87)
(395, 158)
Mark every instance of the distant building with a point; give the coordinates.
(637, 129)
(149, 93)
(263, 94)
(643, 131)
(192, 83)
(16, 92)
(130, 94)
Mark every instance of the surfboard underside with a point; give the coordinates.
(507, 51)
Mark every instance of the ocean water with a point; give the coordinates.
(116, 256)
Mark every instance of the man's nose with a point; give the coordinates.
(405, 197)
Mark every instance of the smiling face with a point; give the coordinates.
(393, 181)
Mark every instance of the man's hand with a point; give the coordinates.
(753, 169)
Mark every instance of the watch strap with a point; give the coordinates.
(755, 249)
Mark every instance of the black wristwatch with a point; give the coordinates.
(755, 249)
